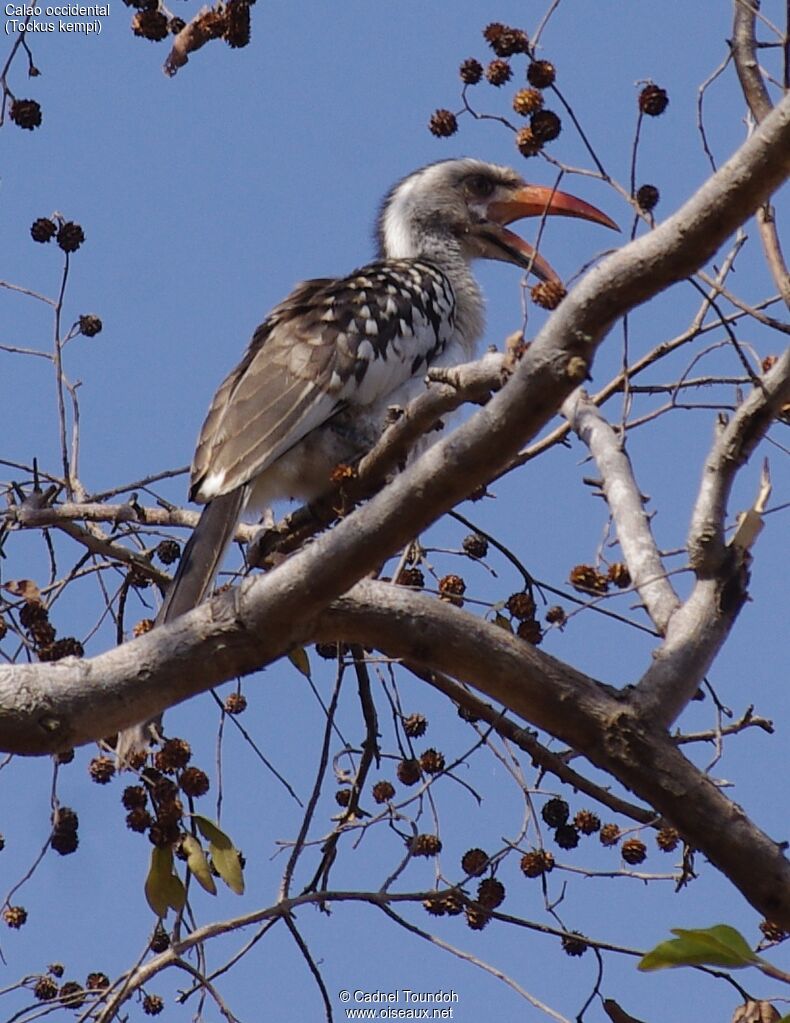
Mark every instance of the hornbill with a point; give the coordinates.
(314, 386)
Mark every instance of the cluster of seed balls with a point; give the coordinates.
(69, 237)
(506, 42)
(47, 988)
(229, 21)
(544, 125)
(476, 862)
(589, 579)
(521, 606)
(34, 619)
(155, 805)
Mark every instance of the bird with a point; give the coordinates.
(320, 373)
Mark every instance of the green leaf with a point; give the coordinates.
(198, 863)
(224, 854)
(164, 889)
(211, 831)
(156, 884)
(176, 893)
(720, 945)
(299, 659)
(228, 867)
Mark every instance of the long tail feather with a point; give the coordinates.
(202, 555)
(196, 570)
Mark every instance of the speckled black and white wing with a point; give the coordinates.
(331, 345)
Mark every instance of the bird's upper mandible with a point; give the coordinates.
(364, 341)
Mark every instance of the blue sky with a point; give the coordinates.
(204, 199)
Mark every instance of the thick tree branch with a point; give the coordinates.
(602, 722)
(698, 629)
(744, 51)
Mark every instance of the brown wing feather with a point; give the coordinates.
(273, 397)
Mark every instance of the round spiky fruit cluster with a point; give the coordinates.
(490, 893)
(609, 834)
(68, 646)
(174, 755)
(587, 579)
(452, 588)
(566, 836)
(151, 25)
(90, 325)
(237, 29)
(152, 1005)
(160, 940)
(139, 819)
(633, 851)
(70, 236)
(15, 916)
(547, 294)
(530, 631)
(505, 40)
(546, 125)
(527, 143)
(647, 197)
(134, 797)
(26, 113)
(443, 123)
(521, 605)
(64, 839)
(45, 989)
(235, 703)
(772, 932)
(434, 905)
(536, 862)
(573, 944)
(653, 100)
(43, 230)
(499, 72)
(619, 575)
(97, 981)
(477, 917)
(168, 551)
(587, 822)
(556, 615)
(425, 845)
(408, 772)
(383, 791)
(471, 71)
(194, 782)
(101, 769)
(667, 839)
(555, 812)
(176, 25)
(541, 74)
(527, 101)
(415, 725)
(72, 994)
(474, 862)
(343, 797)
(411, 577)
(475, 546)
(432, 761)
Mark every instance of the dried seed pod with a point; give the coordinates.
(527, 101)
(499, 72)
(471, 71)
(26, 113)
(443, 123)
(541, 74)
(653, 100)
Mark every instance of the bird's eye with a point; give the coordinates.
(479, 186)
